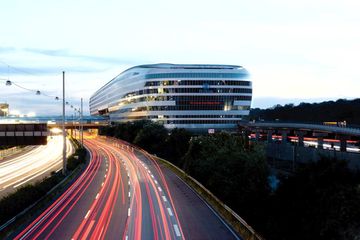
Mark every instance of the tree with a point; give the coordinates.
(152, 137)
(235, 174)
(177, 143)
(348, 110)
(128, 131)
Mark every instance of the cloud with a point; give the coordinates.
(6, 71)
(7, 49)
(68, 54)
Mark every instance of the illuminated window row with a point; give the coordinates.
(199, 121)
(186, 98)
(190, 107)
(187, 116)
(189, 90)
(193, 121)
(197, 82)
(195, 75)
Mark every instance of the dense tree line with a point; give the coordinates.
(234, 172)
(340, 110)
(153, 137)
(319, 201)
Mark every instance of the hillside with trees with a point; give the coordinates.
(329, 111)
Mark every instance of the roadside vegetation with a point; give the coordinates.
(5, 147)
(319, 201)
(25, 196)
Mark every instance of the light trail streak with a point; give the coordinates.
(33, 164)
(145, 201)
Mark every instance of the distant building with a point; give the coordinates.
(4, 109)
(195, 97)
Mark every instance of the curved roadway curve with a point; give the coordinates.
(124, 194)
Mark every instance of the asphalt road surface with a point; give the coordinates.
(125, 194)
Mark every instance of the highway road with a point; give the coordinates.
(32, 165)
(123, 193)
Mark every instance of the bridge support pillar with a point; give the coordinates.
(300, 135)
(284, 134)
(257, 135)
(320, 142)
(269, 136)
(343, 144)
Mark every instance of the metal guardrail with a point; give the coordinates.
(233, 219)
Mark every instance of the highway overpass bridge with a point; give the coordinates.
(302, 142)
(23, 134)
(17, 133)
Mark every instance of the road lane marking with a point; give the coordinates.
(149, 172)
(102, 184)
(89, 229)
(156, 182)
(177, 231)
(164, 198)
(105, 176)
(129, 183)
(170, 212)
(129, 212)
(152, 176)
(97, 196)
(160, 189)
(87, 214)
(129, 194)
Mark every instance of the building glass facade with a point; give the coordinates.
(194, 97)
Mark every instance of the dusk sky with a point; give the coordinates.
(295, 51)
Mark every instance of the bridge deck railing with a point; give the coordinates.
(307, 126)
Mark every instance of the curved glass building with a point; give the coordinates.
(194, 97)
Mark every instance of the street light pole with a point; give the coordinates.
(63, 128)
(75, 123)
(82, 126)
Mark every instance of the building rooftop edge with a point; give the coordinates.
(187, 66)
